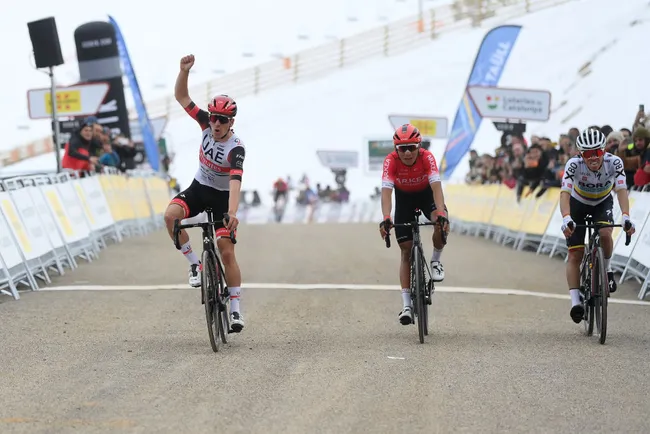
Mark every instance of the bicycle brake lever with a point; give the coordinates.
(226, 217)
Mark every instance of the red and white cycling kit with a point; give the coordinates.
(412, 185)
(410, 179)
(219, 162)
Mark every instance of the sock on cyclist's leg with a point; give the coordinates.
(608, 264)
(435, 256)
(186, 249)
(406, 297)
(235, 294)
(575, 296)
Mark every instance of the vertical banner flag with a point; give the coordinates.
(488, 66)
(150, 145)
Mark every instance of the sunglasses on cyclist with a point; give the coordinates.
(404, 148)
(592, 153)
(221, 119)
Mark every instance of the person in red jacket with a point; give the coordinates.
(77, 150)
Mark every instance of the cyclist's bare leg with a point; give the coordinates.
(405, 264)
(233, 279)
(573, 266)
(230, 265)
(437, 271)
(607, 243)
(175, 212)
(573, 279)
(405, 316)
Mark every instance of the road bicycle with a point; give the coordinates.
(214, 289)
(594, 284)
(422, 286)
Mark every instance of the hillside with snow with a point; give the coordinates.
(586, 58)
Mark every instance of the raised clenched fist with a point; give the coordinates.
(187, 62)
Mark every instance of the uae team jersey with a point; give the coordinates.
(219, 162)
(410, 179)
(591, 188)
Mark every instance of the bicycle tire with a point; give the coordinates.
(425, 302)
(419, 293)
(208, 285)
(589, 297)
(224, 297)
(602, 295)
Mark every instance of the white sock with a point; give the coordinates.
(186, 249)
(608, 265)
(435, 256)
(406, 297)
(575, 296)
(235, 294)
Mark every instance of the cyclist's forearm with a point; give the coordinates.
(181, 92)
(438, 196)
(233, 199)
(623, 201)
(565, 203)
(386, 201)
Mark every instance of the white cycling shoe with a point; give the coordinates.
(437, 271)
(406, 316)
(195, 275)
(236, 322)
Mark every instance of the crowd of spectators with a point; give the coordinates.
(539, 163)
(92, 147)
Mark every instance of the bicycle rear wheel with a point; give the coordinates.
(599, 277)
(418, 286)
(209, 288)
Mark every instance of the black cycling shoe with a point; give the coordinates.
(577, 313)
(612, 282)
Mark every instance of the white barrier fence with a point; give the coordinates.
(47, 222)
(492, 211)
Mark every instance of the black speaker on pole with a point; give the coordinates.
(45, 41)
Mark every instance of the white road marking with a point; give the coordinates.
(396, 358)
(341, 286)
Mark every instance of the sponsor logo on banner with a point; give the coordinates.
(501, 103)
(79, 100)
(430, 126)
(488, 66)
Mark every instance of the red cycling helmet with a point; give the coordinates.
(405, 134)
(223, 105)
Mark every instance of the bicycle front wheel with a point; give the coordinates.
(601, 290)
(209, 286)
(418, 286)
(221, 292)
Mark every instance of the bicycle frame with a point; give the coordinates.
(207, 228)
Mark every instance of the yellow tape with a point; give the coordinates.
(17, 224)
(55, 203)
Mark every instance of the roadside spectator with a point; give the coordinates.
(126, 151)
(280, 191)
(642, 175)
(634, 153)
(77, 150)
(109, 157)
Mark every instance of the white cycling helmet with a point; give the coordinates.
(590, 139)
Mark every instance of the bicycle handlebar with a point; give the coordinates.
(204, 226)
(442, 232)
(597, 226)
